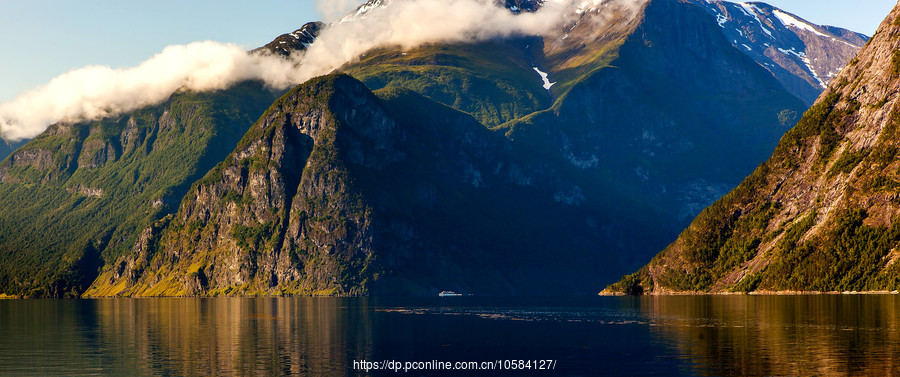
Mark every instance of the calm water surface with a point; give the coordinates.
(691, 335)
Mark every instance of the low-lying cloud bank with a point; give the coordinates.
(94, 92)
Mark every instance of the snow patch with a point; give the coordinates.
(845, 42)
(366, 8)
(363, 11)
(802, 56)
(587, 6)
(721, 20)
(545, 78)
(789, 20)
(750, 10)
(747, 47)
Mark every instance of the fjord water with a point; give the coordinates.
(676, 335)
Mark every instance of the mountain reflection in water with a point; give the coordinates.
(674, 335)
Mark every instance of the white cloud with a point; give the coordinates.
(96, 91)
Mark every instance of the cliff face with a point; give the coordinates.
(337, 191)
(821, 213)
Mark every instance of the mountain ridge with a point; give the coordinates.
(803, 56)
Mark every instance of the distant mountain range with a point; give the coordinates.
(821, 213)
(543, 164)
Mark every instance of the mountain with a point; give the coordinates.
(821, 213)
(529, 164)
(670, 121)
(803, 56)
(295, 41)
(668, 112)
(337, 191)
(499, 83)
(593, 152)
(79, 194)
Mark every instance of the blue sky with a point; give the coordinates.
(41, 39)
(862, 16)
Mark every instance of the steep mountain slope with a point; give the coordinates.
(803, 56)
(821, 213)
(676, 116)
(337, 191)
(79, 194)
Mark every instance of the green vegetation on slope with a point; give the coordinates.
(107, 181)
(492, 81)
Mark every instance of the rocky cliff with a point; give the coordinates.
(821, 213)
(336, 191)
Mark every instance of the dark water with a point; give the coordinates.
(617, 336)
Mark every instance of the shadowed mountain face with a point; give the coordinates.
(803, 56)
(821, 213)
(671, 117)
